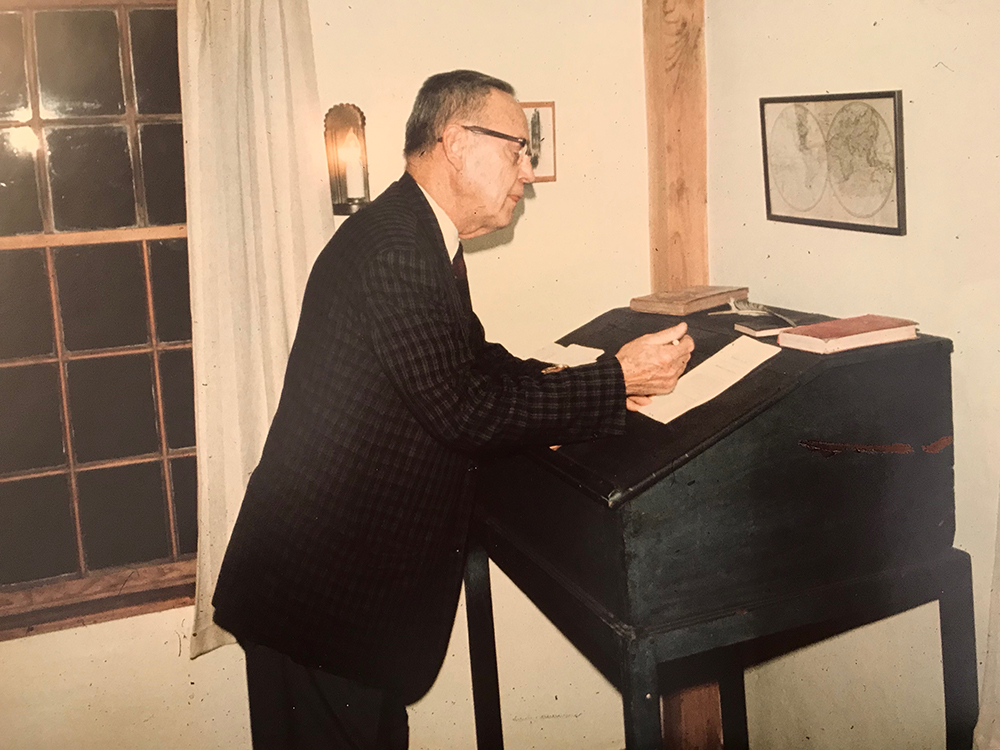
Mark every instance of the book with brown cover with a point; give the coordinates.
(689, 300)
(848, 333)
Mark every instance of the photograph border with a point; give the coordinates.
(896, 133)
(551, 146)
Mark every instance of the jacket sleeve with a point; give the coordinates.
(424, 345)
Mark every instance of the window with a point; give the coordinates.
(97, 461)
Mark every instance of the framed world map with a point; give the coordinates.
(835, 160)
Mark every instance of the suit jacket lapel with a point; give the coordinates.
(456, 290)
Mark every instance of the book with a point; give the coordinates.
(688, 300)
(769, 325)
(848, 333)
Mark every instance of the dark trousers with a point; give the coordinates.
(293, 707)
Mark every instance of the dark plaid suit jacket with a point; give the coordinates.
(349, 547)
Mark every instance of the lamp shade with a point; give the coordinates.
(347, 158)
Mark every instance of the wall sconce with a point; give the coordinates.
(347, 158)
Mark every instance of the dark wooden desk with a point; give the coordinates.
(813, 497)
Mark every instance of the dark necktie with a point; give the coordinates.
(458, 266)
(461, 276)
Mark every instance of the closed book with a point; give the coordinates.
(848, 333)
(689, 300)
(763, 326)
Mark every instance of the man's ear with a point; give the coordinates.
(455, 144)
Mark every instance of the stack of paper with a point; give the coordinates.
(724, 368)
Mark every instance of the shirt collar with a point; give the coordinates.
(448, 229)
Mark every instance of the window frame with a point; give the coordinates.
(85, 597)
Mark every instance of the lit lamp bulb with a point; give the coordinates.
(354, 173)
(346, 159)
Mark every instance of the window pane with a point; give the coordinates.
(31, 434)
(18, 185)
(102, 295)
(177, 377)
(111, 407)
(37, 537)
(25, 305)
(162, 148)
(123, 515)
(185, 475)
(168, 261)
(91, 178)
(154, 57)
(79, 72)
(13, 82)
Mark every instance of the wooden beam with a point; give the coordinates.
(677, 136)
(692, 719)
(674, 45)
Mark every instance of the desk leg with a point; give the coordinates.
(958, 656)
(482, 650)
(641, 700)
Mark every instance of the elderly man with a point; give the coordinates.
(344, 569)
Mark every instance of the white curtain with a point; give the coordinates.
(258, 213)
(987, 736)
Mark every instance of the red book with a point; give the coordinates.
(848, 333)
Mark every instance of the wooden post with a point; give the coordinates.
(677, 134)
(692, 719)
(674, 44)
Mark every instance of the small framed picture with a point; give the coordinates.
(542, 127)
(835, 160)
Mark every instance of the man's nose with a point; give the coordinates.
(527, 173)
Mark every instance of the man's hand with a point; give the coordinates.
(653, 363)
(635, 403)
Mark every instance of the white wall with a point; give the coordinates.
(578, 248)
(880, 687)
(580, 245)
(126, 684)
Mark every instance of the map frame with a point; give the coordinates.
(541, 118)
(835, 160)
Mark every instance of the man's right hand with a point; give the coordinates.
(653, 363)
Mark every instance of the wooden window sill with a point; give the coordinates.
(97, 597)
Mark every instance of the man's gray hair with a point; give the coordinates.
(442, 98)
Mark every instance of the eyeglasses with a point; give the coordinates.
(522, 143)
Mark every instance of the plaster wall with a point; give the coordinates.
(880, 686)
(122, 684)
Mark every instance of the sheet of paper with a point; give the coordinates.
(572, 355)
(724, 368)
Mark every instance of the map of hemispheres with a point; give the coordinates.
(797, 155)
(862, 159)
(854, 155)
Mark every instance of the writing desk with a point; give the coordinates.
(814, 496)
